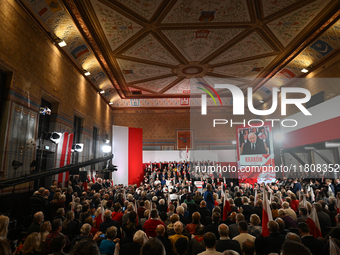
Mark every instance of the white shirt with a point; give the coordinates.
(242, 237)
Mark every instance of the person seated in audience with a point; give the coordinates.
(45, 229)
(150, 225)
(282, 226)
(243, 229)
(293, 237)
(258, 208)
(289, 211)
(246, 209)
(134, 248)
(160, 231)
(248, 247)
(182, 218)
(85, 247)
(58, 244)
(294, 248)
(302, 215)
(196, 244)
(254, 227)
(275, 211)
(324, 219)
(195, 222)
(107, 246)
(213, 228)
(70, 227)
(204, 213)
(37, 220)
(210, 242)
(31, 245)
(108, 222)
(153, 247)
(89, 220)
(181, 246)
(271, 243)
(233, 228)
(57, 226)
(178, 228)
(313, 244)
(225, 243)
(289, 221)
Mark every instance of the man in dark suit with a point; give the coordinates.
(98, 185)
(253, 147)
(204, 212)
(213, 228)
(324, 219)
(160, 230)
(225, 243)
(108, 222)
(313, 244)
(271, 243)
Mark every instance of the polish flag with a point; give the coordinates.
(314, 225)
(266, 214)
(127, 148)
(187, 152)
(64, 156)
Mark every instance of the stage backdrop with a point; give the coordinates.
(127, 148)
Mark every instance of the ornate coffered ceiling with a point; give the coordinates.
(151, 53)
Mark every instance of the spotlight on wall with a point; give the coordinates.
(86, 73)
(61, 42)
(106, 148)
(16, 164)
(55, 137)
(78, 147)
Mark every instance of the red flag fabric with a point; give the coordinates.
(314, 225)
(266, 215)
(226, 209)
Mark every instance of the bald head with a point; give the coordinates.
(160, 230)
(252, 138)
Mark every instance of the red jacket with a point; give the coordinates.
(150, 227)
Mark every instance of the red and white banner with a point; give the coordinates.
(64, 156)
(127, 148)
(266, 215)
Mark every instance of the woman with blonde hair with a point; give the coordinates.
(4, 222)
(31, 245)
(45, 229)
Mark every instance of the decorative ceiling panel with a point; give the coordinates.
(183, 87)
(117, 28)
(289, 26)
(252, 45)
(144, 8)
(150, 49)
(196, 45)
(134, 71)
(156, 85)
(272, 6)
(217, 80)
(185, 11)
(247, 70)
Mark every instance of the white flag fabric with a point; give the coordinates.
(73, 205)
(116, 249)
(304, 202)
(266, 214)
(333, 247)
(255, 200)
(271, 197)
(312, 194)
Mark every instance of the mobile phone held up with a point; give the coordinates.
(102, 236)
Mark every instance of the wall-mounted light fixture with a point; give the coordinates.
(86, 73)
(60, 42)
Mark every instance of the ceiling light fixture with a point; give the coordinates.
(86, 73)
(102, 91)
(111, 103)
(261, 101)
(61, 42)
(304, 70)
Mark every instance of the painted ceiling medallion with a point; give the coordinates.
(192, 70)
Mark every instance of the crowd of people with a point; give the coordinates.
(179, 218)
